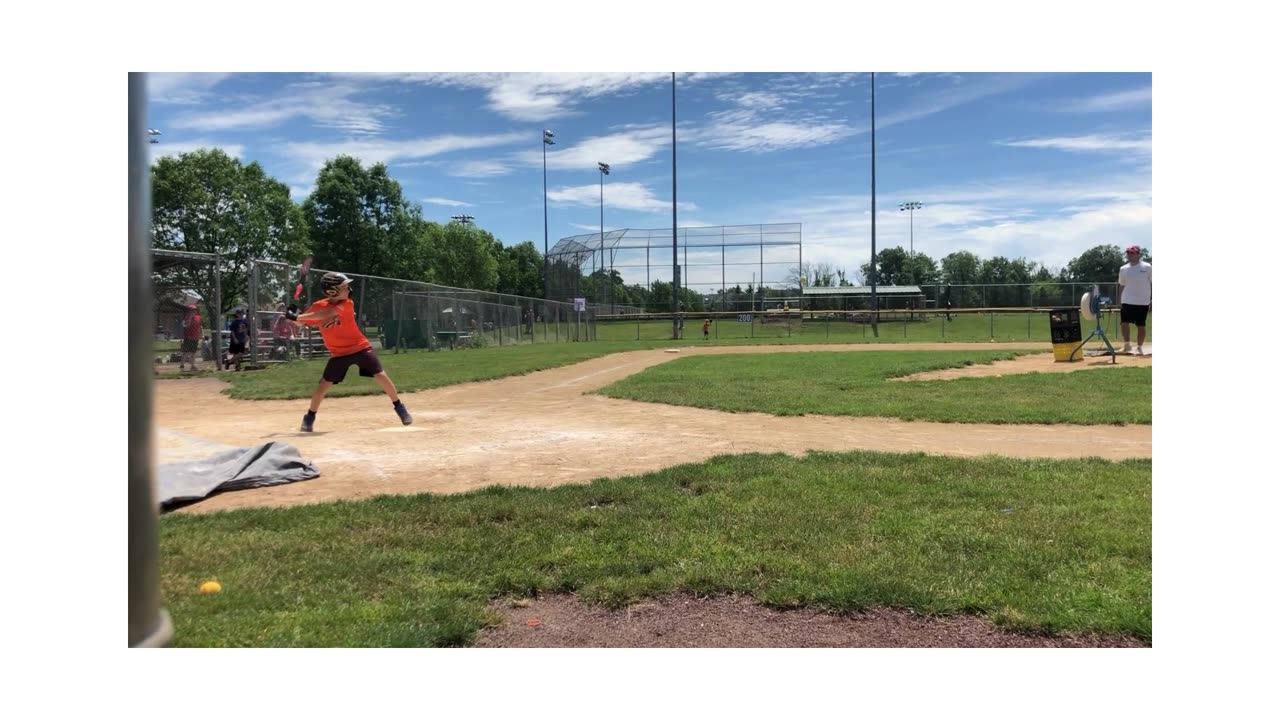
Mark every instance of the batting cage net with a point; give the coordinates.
(186, 302)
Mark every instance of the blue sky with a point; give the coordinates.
(1041, 166)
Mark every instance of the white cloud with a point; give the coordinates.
(745, 131)
(446, 202)
(593, 228)
(1122, 100)
(533, 96)
(480, 168)
(173, 149)
(617, 196)
(618, 149)
(312, 155)
(786, 115)
(760, 100)
(182, 88)
(1045, 221)
(324, 104)
(1087, 143)
(964, 90)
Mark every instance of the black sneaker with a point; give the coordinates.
(308, 421)
(403, 412)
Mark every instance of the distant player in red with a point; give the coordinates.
(336, 318)
(192, 331)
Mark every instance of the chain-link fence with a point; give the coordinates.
(1014, 295)
(853, 325)
(186, 301)
(404, 315)
(912, 297)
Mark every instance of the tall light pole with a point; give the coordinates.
(604, 170)
(153, 136)
(548, 138)
(910, 208)
(875, 305)
(675, 275)
(464, 219)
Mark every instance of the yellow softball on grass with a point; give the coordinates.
(211, 586)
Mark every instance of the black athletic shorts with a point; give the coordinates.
(190, 345)
(237, 348)
(1136, 314)
(336, 369)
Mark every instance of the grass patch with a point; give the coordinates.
(1052, 545)
(420, 370)
(974, 327)
(857, 384)
(413, 371)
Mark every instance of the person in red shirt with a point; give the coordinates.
(192, 331)
(284, 331)
(335, 316)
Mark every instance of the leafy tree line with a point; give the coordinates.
(358, 221)
(1014, 282)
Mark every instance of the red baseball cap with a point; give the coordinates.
(1133, 249)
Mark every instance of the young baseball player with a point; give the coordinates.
(335, 316)
(239, 340)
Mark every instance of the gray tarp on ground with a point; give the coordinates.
(235, 469)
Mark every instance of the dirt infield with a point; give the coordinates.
(541, 430)
(739, 622)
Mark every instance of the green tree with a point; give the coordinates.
(822, 274)
(207, 201)
(893, 267)
(959, 269)
(462, 255)
(359, 222)
(660, 298)
(1099, 264)
(922, 270)
(520, 270)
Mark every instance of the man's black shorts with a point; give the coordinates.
(237, 348)
(189, 346)
(1136, 314)
(336, 369)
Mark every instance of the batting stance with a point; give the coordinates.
(336, 317)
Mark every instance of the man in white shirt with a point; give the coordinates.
(1135, 296)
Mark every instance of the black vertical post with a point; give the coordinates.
(546, 267)
(875, 305)
(675, 280)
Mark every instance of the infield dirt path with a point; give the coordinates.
(542, 430)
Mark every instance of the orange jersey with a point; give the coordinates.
(341, 332)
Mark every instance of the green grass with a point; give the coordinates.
(420, 370)
(858, 384)
(1039, 545)
(414, 371)
(1001, 327)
